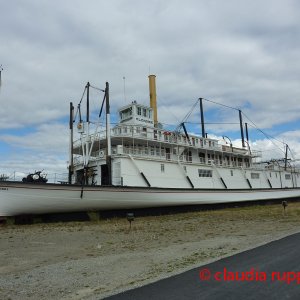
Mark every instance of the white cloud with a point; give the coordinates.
(242, 54)
(51, 138)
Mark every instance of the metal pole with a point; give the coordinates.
(88, 102)
(285, 159)
(108, 139)
(202, 118)
(242, 130)
(246, 129)
(87, 125)
(71, 143)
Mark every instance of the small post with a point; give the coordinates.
(284, 205)
(130, 218)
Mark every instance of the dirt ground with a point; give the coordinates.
(91, 260)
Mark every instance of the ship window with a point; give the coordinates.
(254, 175)
(126, 113)
(139, 111)
(174, 151)
(157, 151)
(202, 157)
(231, 172)
(162, 168)
(270, 174)
(287, 176)
(205, 173)
(184, 168)
(152, 150)
(144, 112)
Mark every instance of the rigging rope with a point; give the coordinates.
(269, 137)
(220, 104)
(98, 89)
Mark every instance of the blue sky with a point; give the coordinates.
(240, 54)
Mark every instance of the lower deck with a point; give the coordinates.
(136, 171)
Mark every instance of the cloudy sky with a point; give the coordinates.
(244, 54)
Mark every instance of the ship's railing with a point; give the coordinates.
(153, 134)
(57, 177)
(256, 153)
(162, 136)
(156, 153)
(77, 160)
(146, 152)
(4, 177)
(160, 153)
(271, 166)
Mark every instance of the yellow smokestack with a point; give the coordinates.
(152, 90)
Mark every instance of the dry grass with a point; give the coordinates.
(156, 246)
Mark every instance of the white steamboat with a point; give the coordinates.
(138, 164)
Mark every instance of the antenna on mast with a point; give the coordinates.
(1, 69)
(124, 87)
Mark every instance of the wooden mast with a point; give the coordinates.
(71, 165)
(202, 117)
(108, 138)
(242, 129)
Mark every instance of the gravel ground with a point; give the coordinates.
(91, 260)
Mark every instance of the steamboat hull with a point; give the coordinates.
(24, 198)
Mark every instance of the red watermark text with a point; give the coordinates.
(250, 275)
